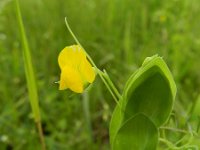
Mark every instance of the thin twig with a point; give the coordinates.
(99, 72)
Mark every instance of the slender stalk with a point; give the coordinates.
(107, 77)
(174, 147)
(166, 142)
(103, 75)
(30, 77)
(88, 56)
(108, 87)
(174, 129)
(113, 91)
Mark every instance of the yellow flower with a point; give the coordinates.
(76, 70)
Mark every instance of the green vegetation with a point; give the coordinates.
(118, 35)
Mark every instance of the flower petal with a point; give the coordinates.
(75, 69)
(70, 78)
(71, 56)
(86, 70)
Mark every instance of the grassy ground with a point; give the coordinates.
(118, 35)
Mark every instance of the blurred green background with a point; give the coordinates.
(119, 35)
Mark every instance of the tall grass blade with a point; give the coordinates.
(31, 81)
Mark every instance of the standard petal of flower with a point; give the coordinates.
(86, 70)
(70, 78)
(71, 56)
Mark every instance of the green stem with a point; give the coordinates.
(88, 56)
(169, 144)
(107, 77)
(179, 130)
(110, 86)
(174, 129)
(174, 146)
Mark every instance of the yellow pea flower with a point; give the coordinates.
(76, 70)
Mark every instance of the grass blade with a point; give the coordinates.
(31, 81)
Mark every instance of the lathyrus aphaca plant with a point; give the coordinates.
(144, 105)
